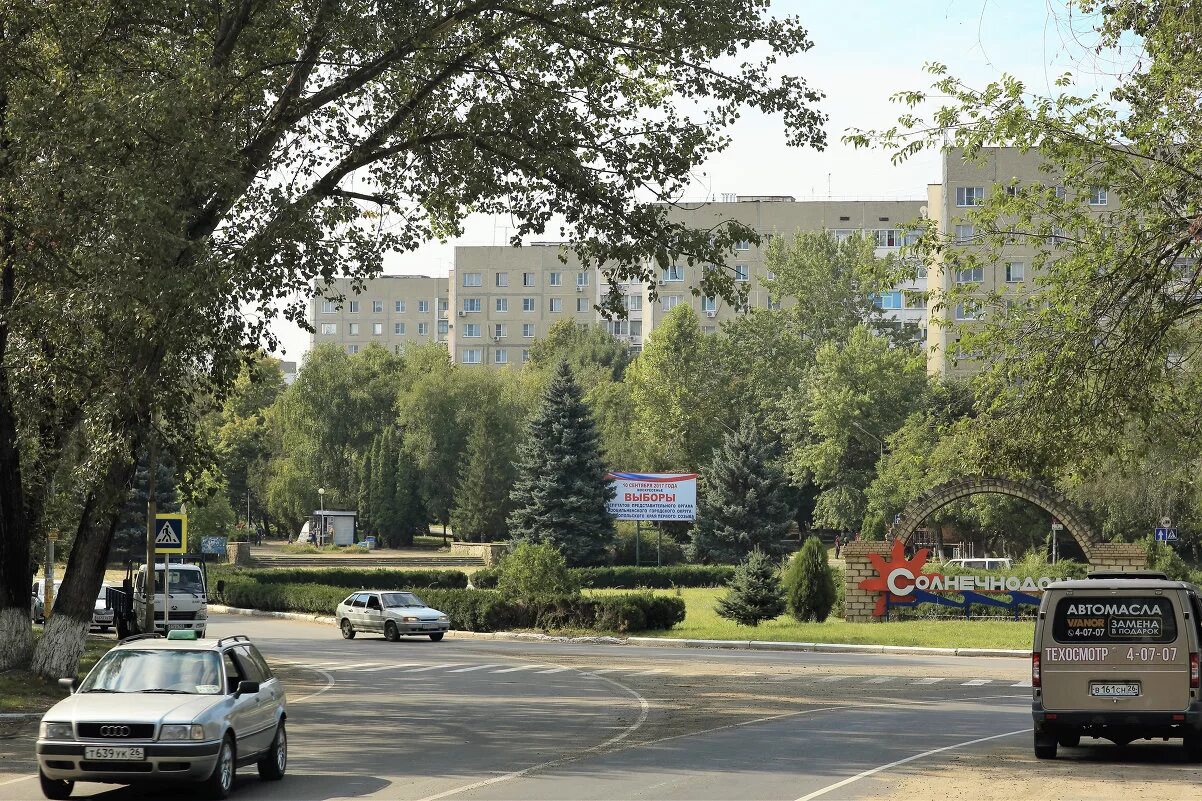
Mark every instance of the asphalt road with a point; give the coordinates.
(488, 719)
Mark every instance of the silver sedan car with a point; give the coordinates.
(392, 614)
(158, 709)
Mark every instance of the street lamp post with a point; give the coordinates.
(321, 532)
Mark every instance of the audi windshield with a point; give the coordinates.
(155, 671)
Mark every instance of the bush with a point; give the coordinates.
(631, 578)
(755, 592)
(531, 572)
(809, 583)
(1163, 557)
(354, 578)
(840, 591)
(486, 578)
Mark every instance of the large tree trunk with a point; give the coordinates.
(57, 654)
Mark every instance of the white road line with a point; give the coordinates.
(18, 779)
(1026, 683)
(520, 667)
(352, 667)
(557, 670)
(929, 680)
(830, 679)
(432, 667)
(329, 684)
(607, 670)
(975, 682)
(882, 679)
(473, 667)
(386, 667)
(650, 672)
(865, 774)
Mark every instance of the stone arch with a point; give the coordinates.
(1048, 499)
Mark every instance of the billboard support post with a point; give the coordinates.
(638, 530)
(659, 543)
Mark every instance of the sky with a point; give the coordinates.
(864, 52)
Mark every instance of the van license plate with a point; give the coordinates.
(1114, 690)
(106, 752)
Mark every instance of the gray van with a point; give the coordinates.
(1116, 656)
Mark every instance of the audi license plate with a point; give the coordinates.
(1125, 690)
(109, 752)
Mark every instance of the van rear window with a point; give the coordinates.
(1111, 619)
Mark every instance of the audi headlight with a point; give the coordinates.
(408, 619)
(182, 731)
(57, 731)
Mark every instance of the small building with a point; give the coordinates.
(331, 526)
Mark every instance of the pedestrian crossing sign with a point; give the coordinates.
(171, 533)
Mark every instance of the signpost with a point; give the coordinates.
(653, 496)
(171, 536)
(1057, 527)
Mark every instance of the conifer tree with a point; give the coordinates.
(129, 539)
(809, 583)
(367, 523)
(482, 502)
(744, 501)
(382, 488)
(561, 490)
(755, 593)
(410, 515)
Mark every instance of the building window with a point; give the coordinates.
(398, 329)
(471, 329)
(443, 304)
(965, 233)
(671, 302)
(920, 272)
(742, 244)
(673, 273)
(709, 304)
(555, 279)
(377, 329)
(1097, 196)
(970, 275)
(352, 349)
(619, 328)
(581, 279)
(354, 307)
(528, 279)
(328, 307)
(472, 355)
(741, 273)
(498, 329)
(555, 304)
(500, 356)
(423, 307)
(636, 328)
(423, 329)
(968, 310)
(1015, 272)
(377, 307)
(472, 279)
(472, 304)
(1060, 193)
(329, 329)
(633, 302)
(527, 329)
(399, 307)
(502, 304)
(444, 328)
(888, 238)
(916, 300)
(502, 279)
(970, 195)
(582, 304)
(528, 304)
(844, 234)
(354, 329)
(889, 300)
(525, 355)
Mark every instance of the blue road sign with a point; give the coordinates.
(1166, 534)
(171, 534)
(213, 545)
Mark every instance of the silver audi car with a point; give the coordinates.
(390, 613)
(158, 709)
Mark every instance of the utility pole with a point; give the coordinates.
(151, 513)
(48, 582)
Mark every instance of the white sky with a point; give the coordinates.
(864, 52)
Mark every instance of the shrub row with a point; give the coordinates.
(354, 578)
(477, 610)
(632, 578)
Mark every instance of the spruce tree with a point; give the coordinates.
(367, 525)
(410, 515)
(809, 583)
(382, 487)
(744, 501)
(561, 490)
(755, 592)
(129, 538)
(482, 501)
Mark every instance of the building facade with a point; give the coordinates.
(393, 311)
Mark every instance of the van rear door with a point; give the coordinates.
(1116, 650)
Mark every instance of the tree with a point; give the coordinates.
(562, 487)
(129, 540)
(744, 503)
(594, 354)
(809, 583)
(482, 499)
(532, 572)
(755, 592)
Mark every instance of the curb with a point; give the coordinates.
(666, 642)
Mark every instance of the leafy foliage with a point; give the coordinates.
(755, 593)
(532, 572)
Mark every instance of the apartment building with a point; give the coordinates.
(392, 310)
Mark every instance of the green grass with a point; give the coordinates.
(21, 691)
(702, 622)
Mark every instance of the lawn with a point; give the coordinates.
(702, 622)
(23, 692)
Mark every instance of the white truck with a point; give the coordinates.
(186, 604)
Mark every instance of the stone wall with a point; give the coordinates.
(858, 604)
(238, 553)
(490, 552)
(1122, 556)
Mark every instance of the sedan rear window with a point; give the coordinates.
(1114, 619)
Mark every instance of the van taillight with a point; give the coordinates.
(1193, 670)
(1035, 669)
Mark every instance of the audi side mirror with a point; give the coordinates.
(247, 688)
(68, 684)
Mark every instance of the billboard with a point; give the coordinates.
(653, 496)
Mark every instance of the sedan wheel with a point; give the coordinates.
(275, 761)
(390, 632)
(436, 637)
(348, 631)
(55, 788)
(221, 781)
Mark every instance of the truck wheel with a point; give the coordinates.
(1192, 743)
(1069, 740)
(1045, 746)
(348, 631)
(55, 788)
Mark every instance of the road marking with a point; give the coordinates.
(865, 774)
(882, 679)
(18, 779)
(558, 670)
(830, 679)
(975, 682)
(474, 667)
(386, 667)
(432, 667)
(352, 667)
(929, 680)
(329, 684)
(607, 670)
(1026, 683)
(650, 672)
(520, 667)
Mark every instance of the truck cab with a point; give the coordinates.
(186, 603)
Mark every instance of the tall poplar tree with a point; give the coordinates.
(562, 489)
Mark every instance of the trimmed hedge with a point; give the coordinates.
(632, 578)
(478, 610)
(352, 578)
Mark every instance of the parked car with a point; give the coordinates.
(103, 615)
(173, 709)
(392, 614)
(987, 563)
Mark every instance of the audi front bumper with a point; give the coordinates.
(164, 762)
